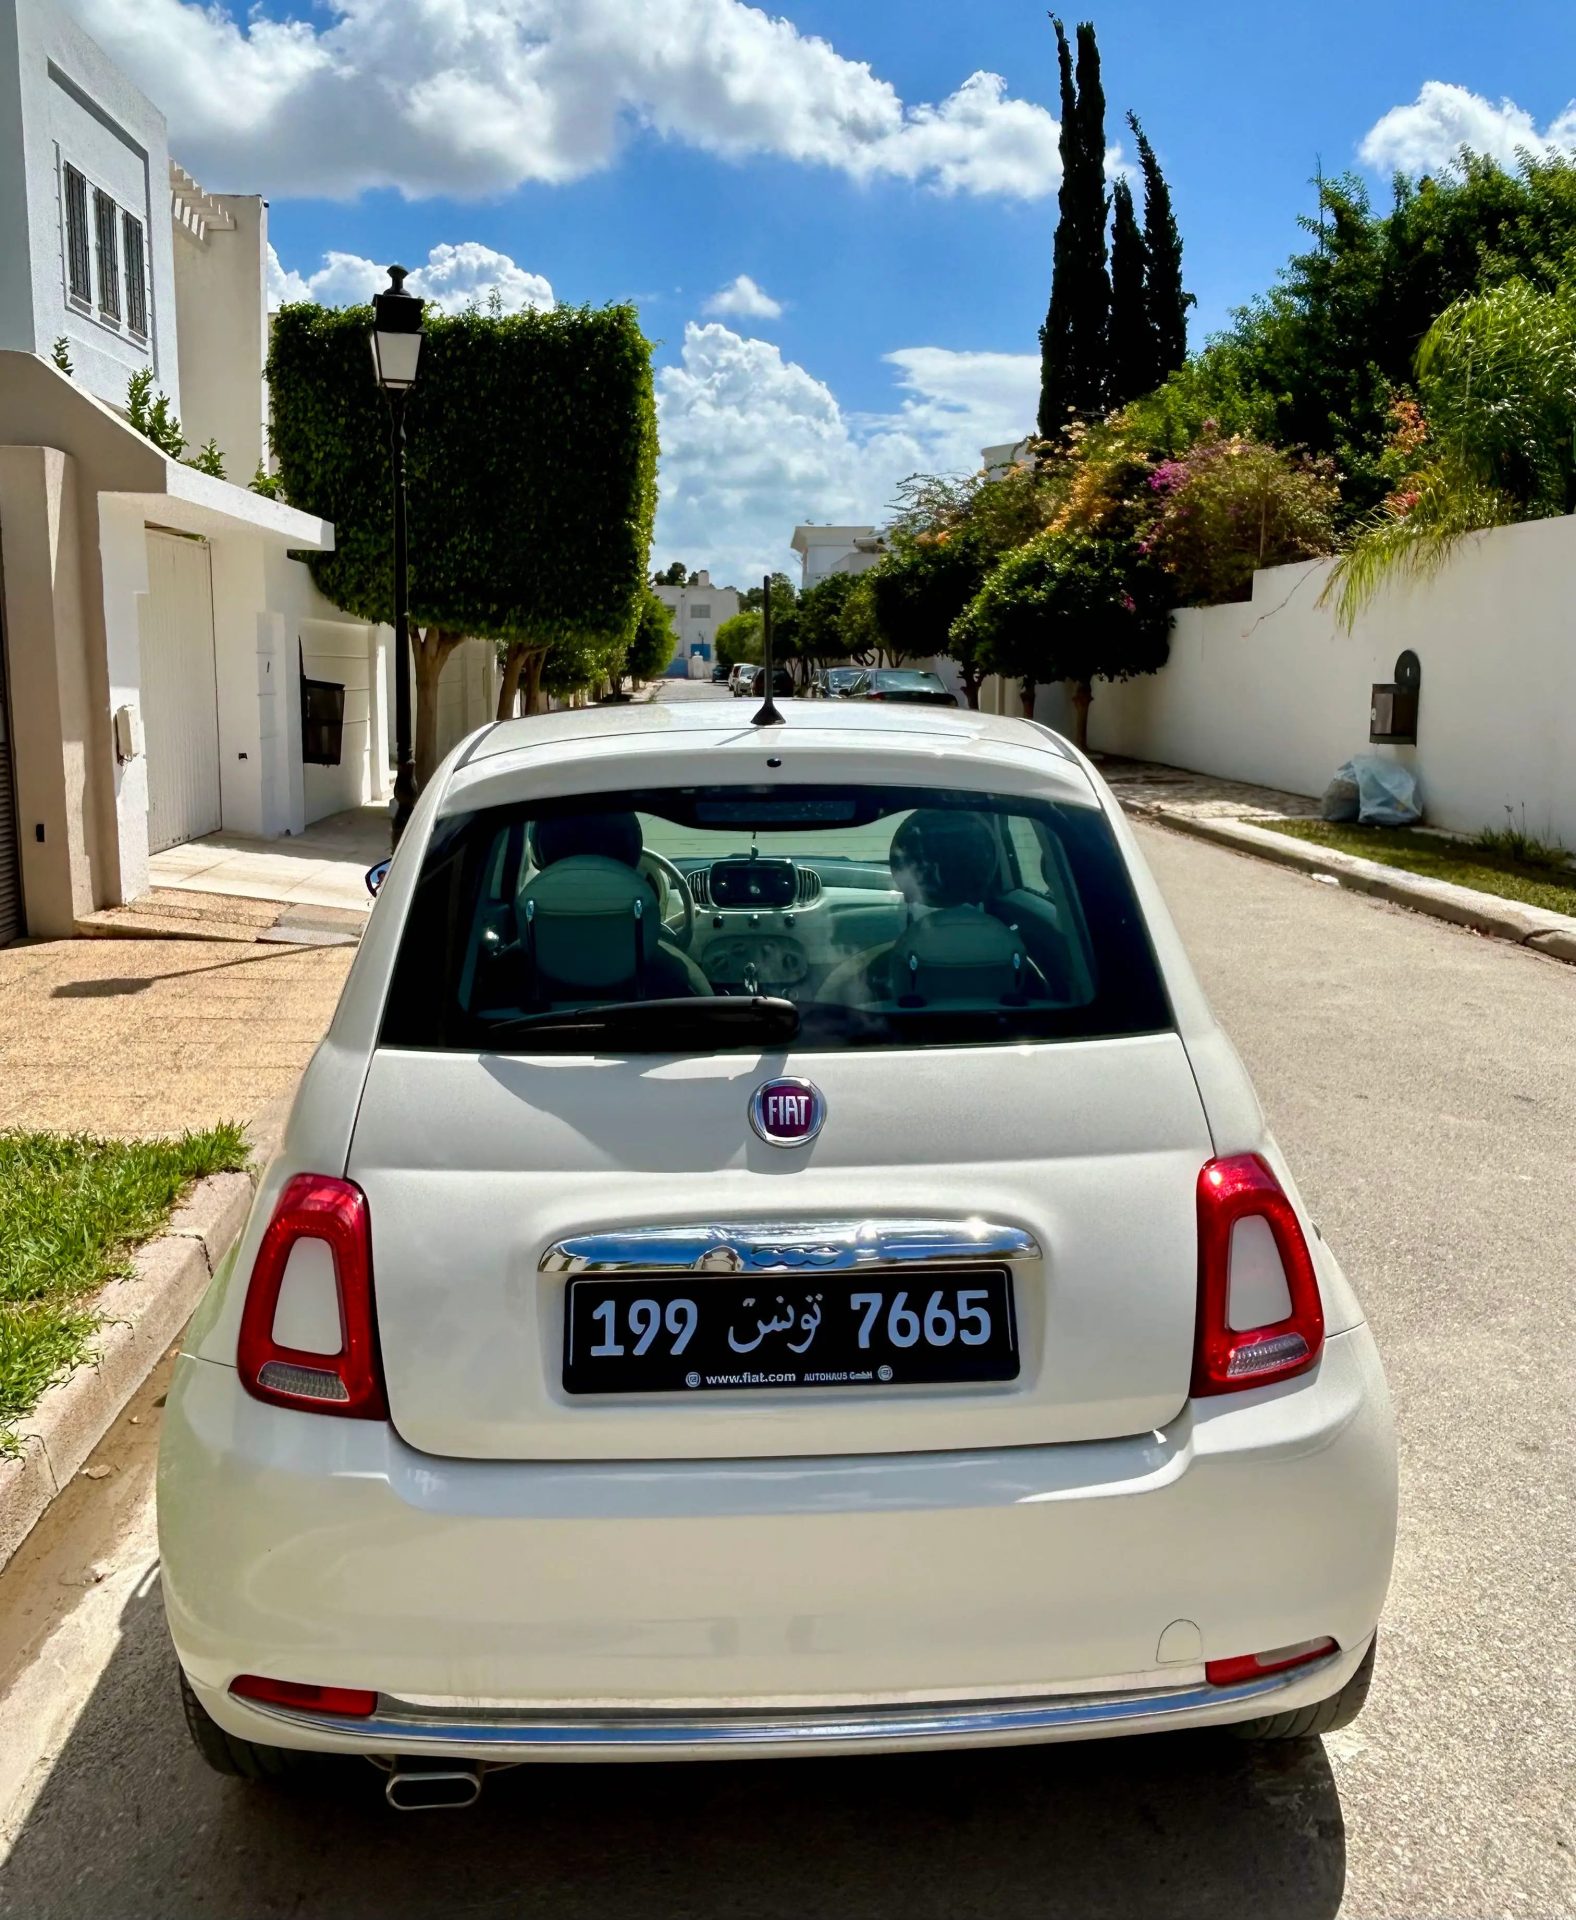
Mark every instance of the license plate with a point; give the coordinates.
(700, 1333)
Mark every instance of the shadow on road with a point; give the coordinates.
(131, 1823)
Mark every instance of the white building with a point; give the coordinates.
(154, 630)
(828, 550)
(1000, 460)
(698, 610)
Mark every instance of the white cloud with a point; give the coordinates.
(478, 96)
(743, 299)
(454, 278)
(752, 443)
(1443, 119)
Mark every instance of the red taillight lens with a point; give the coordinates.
(1253, 1666)
(1227, 1359)
(353, 1702)
(347, 1381)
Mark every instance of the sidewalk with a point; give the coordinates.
(325, 866)
(155, 1036)
(1233, 814)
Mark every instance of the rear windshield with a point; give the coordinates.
(833, 916)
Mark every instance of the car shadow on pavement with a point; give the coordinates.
(131, 1823)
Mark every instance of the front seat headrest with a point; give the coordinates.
(956, 956)
(590, 925)
(942, 859)
(611, 836)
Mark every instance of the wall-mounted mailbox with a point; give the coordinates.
(1392, 709)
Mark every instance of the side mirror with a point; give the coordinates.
(375, 876)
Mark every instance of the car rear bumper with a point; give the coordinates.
(679, 1609)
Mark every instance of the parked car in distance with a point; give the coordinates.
(773, 1256)
(718, 673)
(910, 685)
(741, 677)
(835, 682)
(782, 683)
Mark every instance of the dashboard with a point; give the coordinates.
(768, 925)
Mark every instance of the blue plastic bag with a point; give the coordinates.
(1387, 794)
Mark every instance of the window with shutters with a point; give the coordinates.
(107, 229)
(136, 275)
(79, 281)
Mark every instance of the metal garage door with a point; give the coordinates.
(10, 852)
(180, 697)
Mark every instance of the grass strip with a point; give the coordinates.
(72, 1209)
(1437, 857)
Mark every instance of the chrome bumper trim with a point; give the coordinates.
(612, 1733)
(782, 1246)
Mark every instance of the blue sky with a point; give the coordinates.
(844, 158)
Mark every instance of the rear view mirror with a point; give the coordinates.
(376, 876)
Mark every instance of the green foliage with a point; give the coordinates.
(919, 589)
(1164, 299)
(651, 650)
(1228, 506)
(1133, 358)
(60, 353)
(1515, 842)
(673, 576)
(71, 1208)
(818, 634)
(532, 470)
(1497, 378)
(266, 483)
(739, 638)
(151, 415)
(208, 459)
(1073, 342)
(784, 595)
(1489, 870)
(1324, 352)
(1070, 606)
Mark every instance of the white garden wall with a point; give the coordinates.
(1276, 691)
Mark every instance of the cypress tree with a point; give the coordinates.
(1133, 358)
(1166, 301)
(1074, 341)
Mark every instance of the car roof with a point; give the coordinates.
(661, 741)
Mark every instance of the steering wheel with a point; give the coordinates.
(667, 882)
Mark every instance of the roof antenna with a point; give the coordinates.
(768, 715)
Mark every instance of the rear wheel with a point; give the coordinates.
(228, 1754)
(1325, 1716)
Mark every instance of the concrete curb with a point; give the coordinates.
(1535, 927)
(143, 1316)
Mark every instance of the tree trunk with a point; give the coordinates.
(1083, 699)
(971, 689)
(431, 648)
(535, 660)
(509, 692)
(1027, 689)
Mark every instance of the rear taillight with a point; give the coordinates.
(315, 1214)
(1246, 1228)
(354, 1703)
(1253, 1666)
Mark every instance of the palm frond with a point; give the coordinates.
(1392, 547)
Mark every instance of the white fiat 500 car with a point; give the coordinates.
(774, 1255)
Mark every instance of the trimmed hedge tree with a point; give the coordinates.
(1070, 606)
(532, 449)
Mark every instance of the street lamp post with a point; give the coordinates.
(396, 347)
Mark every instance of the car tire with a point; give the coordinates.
(236, 1758)
(1325, 1716)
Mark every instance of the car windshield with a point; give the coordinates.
(834, 916)
(899, 680)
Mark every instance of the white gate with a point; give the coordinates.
(180, 695)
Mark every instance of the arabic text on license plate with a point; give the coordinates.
(708, 1333)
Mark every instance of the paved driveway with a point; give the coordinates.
(1424, 1083)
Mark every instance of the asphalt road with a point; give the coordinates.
(1423, 1082)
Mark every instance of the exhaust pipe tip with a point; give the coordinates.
(414, 1787)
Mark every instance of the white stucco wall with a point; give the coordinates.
(222, 303)
(62, 98)
(1275, 691)
(697, 612)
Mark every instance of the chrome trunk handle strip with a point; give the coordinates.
(784, 1246)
